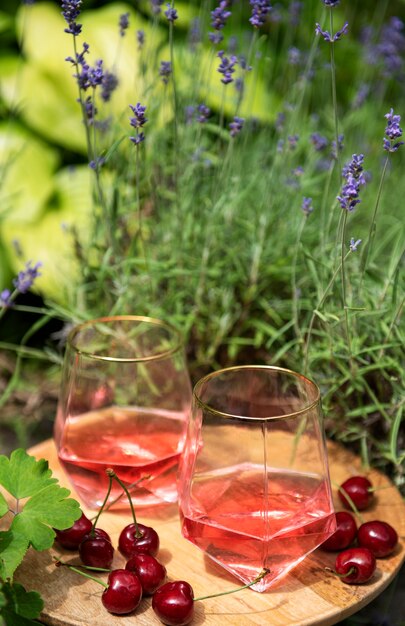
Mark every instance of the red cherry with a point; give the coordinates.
(150, 572)
(124, 592)
(344, 534)
(379, 537)
(97, 550)
(129, 544)
(360, 560)
(70, 538)
(359, 489)
(173, 603)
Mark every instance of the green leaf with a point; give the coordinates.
(48, 508)
(21, 606)
(13, 548)
(22, 475)
(3, 505)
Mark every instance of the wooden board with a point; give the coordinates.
(307, 596)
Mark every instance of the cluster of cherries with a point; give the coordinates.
(358, 547)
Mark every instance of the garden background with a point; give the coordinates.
(257, 206)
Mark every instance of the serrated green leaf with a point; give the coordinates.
(24, 603)
(22, 475)
(13, 548)
(3, 505)
(49, 508)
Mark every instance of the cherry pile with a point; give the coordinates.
(363, 545)
(143, 575)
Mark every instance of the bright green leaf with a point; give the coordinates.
(3, 505)
(22, 475)
(47, 508)
(13, 548)
(19, 607)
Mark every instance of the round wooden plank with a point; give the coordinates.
(309, 596)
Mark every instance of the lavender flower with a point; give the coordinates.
(189, 113)
(215, 38)
(155, 5)
(71, 11)
(331, 38)
(90, 110)
(331, 3)
(294, 56)
(194, 35)
(319, 142)
(165, 70)
(260, 10)
(108, 84)
(97, 163)
(353, 173)
(123, 23)
(292, 141)
(354, 244)
(226, 67)
(5, 298)
(171, 13)
(393, 131)
(337, 148)
(137, 122)
(236, 126)
(391, 48)
(294, 10)
(140, 37)
(306, 206)
(220, 15)
(26, 278)
(79, 60)
(203, 113)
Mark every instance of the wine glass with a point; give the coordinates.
(124, 404)
(254, 489)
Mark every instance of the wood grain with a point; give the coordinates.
(307, 596)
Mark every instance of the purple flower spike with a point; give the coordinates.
(5, 298)
(331, 38)
(226, 67)
(71, 11)
(331, 3)
(123, 23)
(354, 244)
(108, 84)
(165, 71)
(353, 173)
(220, 15)
(137, 121)
(26, 278)
(306, 206)
(236, 126)
(171, 14)
(155, 5)
(260, 10)
(203, 113)
(140, 37)
(393, 131)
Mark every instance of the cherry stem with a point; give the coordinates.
(262, 574)
(92, 533)
(112, 474)
(131, 486)
(78, 571)
(350, 572)
(350, 501)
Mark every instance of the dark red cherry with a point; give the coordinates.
(379, 537)
(71, 538)
(173, 603)
(97, 550)
(355, 565)
(129, 544)
(344, 534)
(124, 592)
(359, 489)
(150, 572)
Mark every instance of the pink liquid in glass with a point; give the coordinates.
(228, 519)
(134, 443)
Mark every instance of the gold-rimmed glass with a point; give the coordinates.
(254, 489)
(124, 403)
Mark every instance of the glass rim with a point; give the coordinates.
(153, 321)
(273, 368)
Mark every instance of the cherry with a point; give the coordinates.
(124, 592)
(359, 490)
(355, 565)
(138, 539)
(96, 549)
(70, 538)
(344, 534)
(379, 537)
(173, 603)
(150, 572)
